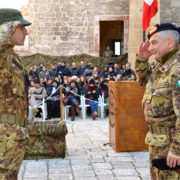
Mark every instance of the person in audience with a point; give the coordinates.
(44, 73)
(81, 69)
(40, 67)
(53, 71)
(82, 85)
(74, 70)
(116, 69)
(88, 71)
(36, 95)
(107, 53)
(62, 70)
(71, 94)
(33, 73)
(104, 92)
(111, 71)
(95, 73)
(92, 94)
(104, 73)
(53, 102)
(128, 71)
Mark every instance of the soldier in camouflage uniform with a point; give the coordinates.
(161, 101)
(13, 94)
(108, 53)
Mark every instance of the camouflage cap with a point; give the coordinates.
(7, 15)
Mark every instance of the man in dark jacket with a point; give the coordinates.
(81, 69)
(74, 70)
(62, 70)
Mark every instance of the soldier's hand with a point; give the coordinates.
(172, 159)
(143, 50)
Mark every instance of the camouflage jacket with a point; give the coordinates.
(13, 88)
(161, 101)
(107, 53)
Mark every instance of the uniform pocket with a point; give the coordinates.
(157, 140)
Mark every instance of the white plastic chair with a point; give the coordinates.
(43, 106)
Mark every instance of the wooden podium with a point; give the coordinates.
(127, 126)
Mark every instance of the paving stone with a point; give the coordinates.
(125, 172)
(129, 178)
(122, 165)
(141, 164)
(100, 166)
(103, 172)
(97, 160)
(60, 176)
(106, 177)
(144, 172)
(112, 159)
(83, 173)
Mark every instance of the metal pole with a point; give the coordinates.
(144, 36)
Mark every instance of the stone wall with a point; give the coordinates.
(170, 11)
(67, 27)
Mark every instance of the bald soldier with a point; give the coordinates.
(161, 101)
(13, 94)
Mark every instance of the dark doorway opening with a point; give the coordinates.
(112, 35)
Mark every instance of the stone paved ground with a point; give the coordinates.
(88, 159)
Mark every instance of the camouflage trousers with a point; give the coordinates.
(13, 141)
(160, 152)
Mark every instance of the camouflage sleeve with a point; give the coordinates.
(2, 59)
(175, 145)
(141, 69)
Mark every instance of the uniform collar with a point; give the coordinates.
(168, 60)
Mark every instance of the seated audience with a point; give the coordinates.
(36, 95)
(33, 73)
(116, 69)
(71, 98)
(104, 92)
(95, 73)
(128, 71)
(81, 69)
(52, 72)
(92, 95)
(104, 73)
(88, 71)
(44, 73)
(74, 70)
(62, 70)
(53, 103)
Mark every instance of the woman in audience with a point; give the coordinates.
(92, 94)
(71, 94)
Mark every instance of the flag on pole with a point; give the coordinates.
(150, 8)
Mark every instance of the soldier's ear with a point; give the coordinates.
(170, 43)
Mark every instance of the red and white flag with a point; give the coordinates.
(150, 8)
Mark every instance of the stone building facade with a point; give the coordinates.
(69, 27)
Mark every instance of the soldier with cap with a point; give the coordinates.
(161, 101)
(13, 94)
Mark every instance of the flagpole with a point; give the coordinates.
(144, 36)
